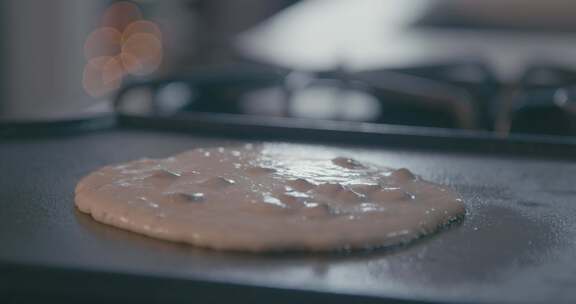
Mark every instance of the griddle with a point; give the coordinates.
(517, 243)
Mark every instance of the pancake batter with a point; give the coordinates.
(267, 197)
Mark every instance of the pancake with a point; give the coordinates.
(267, 197)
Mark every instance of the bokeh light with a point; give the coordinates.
(102, 75)
(106, 41)
(120, 14)
(124, 44)
(141, 26)
(113, 72)
(141, 54)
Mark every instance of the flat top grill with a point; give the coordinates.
(515, 245)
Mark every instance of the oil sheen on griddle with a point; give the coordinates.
(267, 197)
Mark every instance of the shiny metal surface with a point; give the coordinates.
(515, 245)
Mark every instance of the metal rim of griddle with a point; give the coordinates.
(280, 128)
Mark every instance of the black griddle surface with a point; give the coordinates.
(517, 243)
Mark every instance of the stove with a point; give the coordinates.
(463, 94)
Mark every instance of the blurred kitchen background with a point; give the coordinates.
(505, 66)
